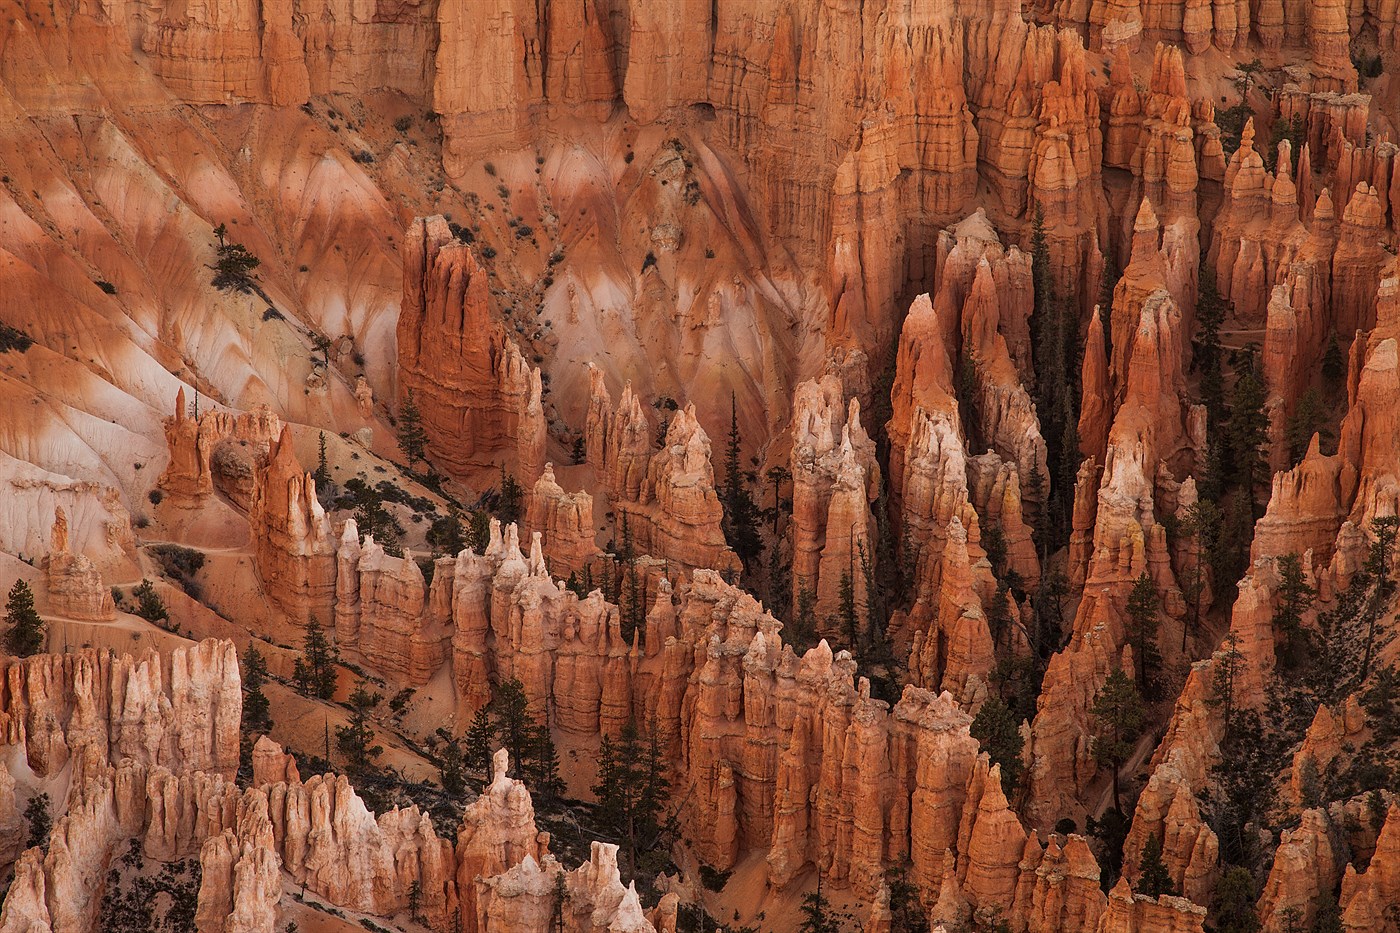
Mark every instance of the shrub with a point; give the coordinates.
(155, 496)
(107, 286)
(14, 339)
(364, 157)
(272, 314)
(403, 123)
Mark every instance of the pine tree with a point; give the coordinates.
(1294, 597)
(740, 513)
(543, 773)
(36, 814)
(413, 439)
(1142, 632)
(777, 476)
(1210, 315)
(354, 740)
(415, 898)
(257, 717)
(1234, 903)
(1334, 362)
(804, 621)
(481, 740)
(1202, 525)
(816, 913)
(579, 452)
(1227, 668)
(149, 605)
(779, 582)
(1154, 879)
(1118, 715)
(450, 768)
(509, 498)
(1249, 432)
(561, 897)
(24, 627)
(632, 790)
(1377, 567)
(847, 618)
(314, 673)
(1308, 418)
(997, 731)
(514, 724)
(322, 476)
(633, 608)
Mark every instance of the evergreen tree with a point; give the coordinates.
(633, 607)
(413, 439)
(355, 739)
(514, 724)
(149, 605)
(415, 899)
(446, 535)
(740, 513)
(1308, 418)
(1142, 633)
(322, 476)
(777, 476)
(906, 913)
(234, 265)
(1294, 597)
(1227, 668)
(1118, 715)
(543, 773)
(1249, 432)
(481, 740)
(779, 582)
(24, 627)
(1210, 315)
(847, 618)
(509, 499)
(804, 622)
(479, 531)
(314, 672)
(36, 814)
(999, 733)
(561, 897)
(257, 716)
(579, 452)
(1334, 362)
(1154, 879)
(1234, 903)
(450, 768)
(1202, 525)
(371, 518)
(1377, 568)
(816, 913)
(631, 790)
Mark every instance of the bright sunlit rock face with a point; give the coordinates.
(591, 465)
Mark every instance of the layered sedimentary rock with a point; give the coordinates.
(73, 580)
(293, 547)
(404, 626)
(95, 703)
(668, 496)
(190, 476)
(565, 523)
(1367, 896)
(480, 401)
(834, 478)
